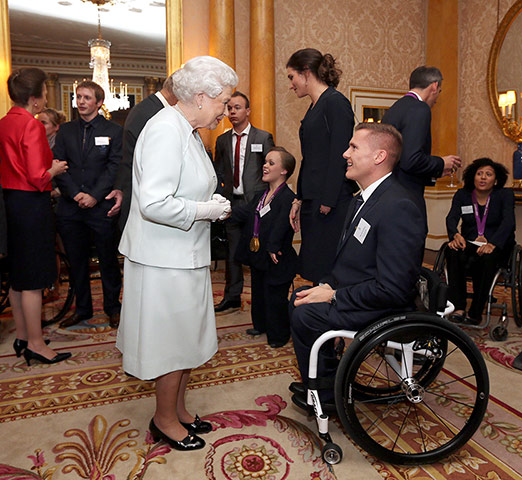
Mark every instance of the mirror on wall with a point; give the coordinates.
(53, 35)
(505, 73)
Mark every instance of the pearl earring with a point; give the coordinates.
(199, 106)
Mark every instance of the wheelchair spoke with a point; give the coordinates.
(420, 429)
(401, 427)
(471, 375)
(450, 398)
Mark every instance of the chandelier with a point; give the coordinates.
(100, 63)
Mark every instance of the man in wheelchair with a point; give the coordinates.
(378, 259)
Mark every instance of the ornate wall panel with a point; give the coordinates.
(377, 45)
(479, 134)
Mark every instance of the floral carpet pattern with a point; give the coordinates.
(86, 419)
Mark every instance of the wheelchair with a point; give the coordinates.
(509, 276)
(393, 394)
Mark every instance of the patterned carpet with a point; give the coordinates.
(86, 419)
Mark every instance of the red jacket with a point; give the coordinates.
(25, 155)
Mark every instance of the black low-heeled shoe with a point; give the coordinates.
(59, 357)
(298, 387)
(190, 442)
(20, 345)
(198, 426)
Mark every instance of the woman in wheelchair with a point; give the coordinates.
(486, 237)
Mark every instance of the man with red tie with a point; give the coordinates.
(239, 158)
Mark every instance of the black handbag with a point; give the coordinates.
(218, 241)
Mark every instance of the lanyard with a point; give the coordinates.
(260, 206)
(481, 222)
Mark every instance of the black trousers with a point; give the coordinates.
(233, 270)
(270, 307)
(482, 269)
(307, 323)
(76, 231)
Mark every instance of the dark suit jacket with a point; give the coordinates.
(275, 235)
(417, 167)
(325, 135)
(139, 115)
(500, 224)
(92, 171)
(3, 225)
(377, 277)
(252, 169)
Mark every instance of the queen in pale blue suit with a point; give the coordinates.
(167, 320)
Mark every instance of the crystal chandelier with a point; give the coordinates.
(100, 63)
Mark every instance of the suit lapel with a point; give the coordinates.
(250, 140)
(366, 208)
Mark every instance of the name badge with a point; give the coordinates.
(101, 141)
(256, 147)
(362, 230)
(466, 209)
(264, 210)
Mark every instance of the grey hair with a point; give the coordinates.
(203, 74)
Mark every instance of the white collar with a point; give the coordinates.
(245, 131)
(162, 99)
(367, 192)
(417, 95)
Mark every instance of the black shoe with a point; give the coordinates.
(457, 318)
(198, 426)
(73, 320)
(298, 387)
(190, 442)
(227, 305)
(517, 362)
(114, 320)
(253, 332)
(300, 401)
(20, 345)
(30, 355)
(472, 321)
(277, 344)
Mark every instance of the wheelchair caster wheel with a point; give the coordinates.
(332, 453)
(499, 333)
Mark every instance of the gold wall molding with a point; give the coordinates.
(500, 35)
(262, 65)
(5, 58)
(174, 18)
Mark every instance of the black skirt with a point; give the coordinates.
(320, 236)
(30, 239)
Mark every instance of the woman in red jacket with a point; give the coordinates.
(26, 170)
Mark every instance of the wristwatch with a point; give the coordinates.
(333, 299)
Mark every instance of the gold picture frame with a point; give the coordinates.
(371, 103)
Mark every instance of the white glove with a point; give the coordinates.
(220, 198)
(213, 210)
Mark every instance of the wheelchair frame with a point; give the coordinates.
(511, 276)
(407, 389)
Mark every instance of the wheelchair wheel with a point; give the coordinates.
(420, 418)
(516, 290)
(58, 297)
(498, 333)
(332, 453)
(4, 291)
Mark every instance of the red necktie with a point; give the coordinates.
(236, 159)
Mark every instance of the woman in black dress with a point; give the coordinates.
(26, 170)
(486, 237)
(323, 193)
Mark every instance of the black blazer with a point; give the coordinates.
(139, 115)
(377, 277)
(92, 171)
(417, 167)
(275, 235)
(325, 135)
(253, 166)
(500, 224)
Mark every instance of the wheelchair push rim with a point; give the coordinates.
(413, 419)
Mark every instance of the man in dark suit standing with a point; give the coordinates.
(240, 155)
(411, 116)
(378, 259)
(91, 146)
(139, 115)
